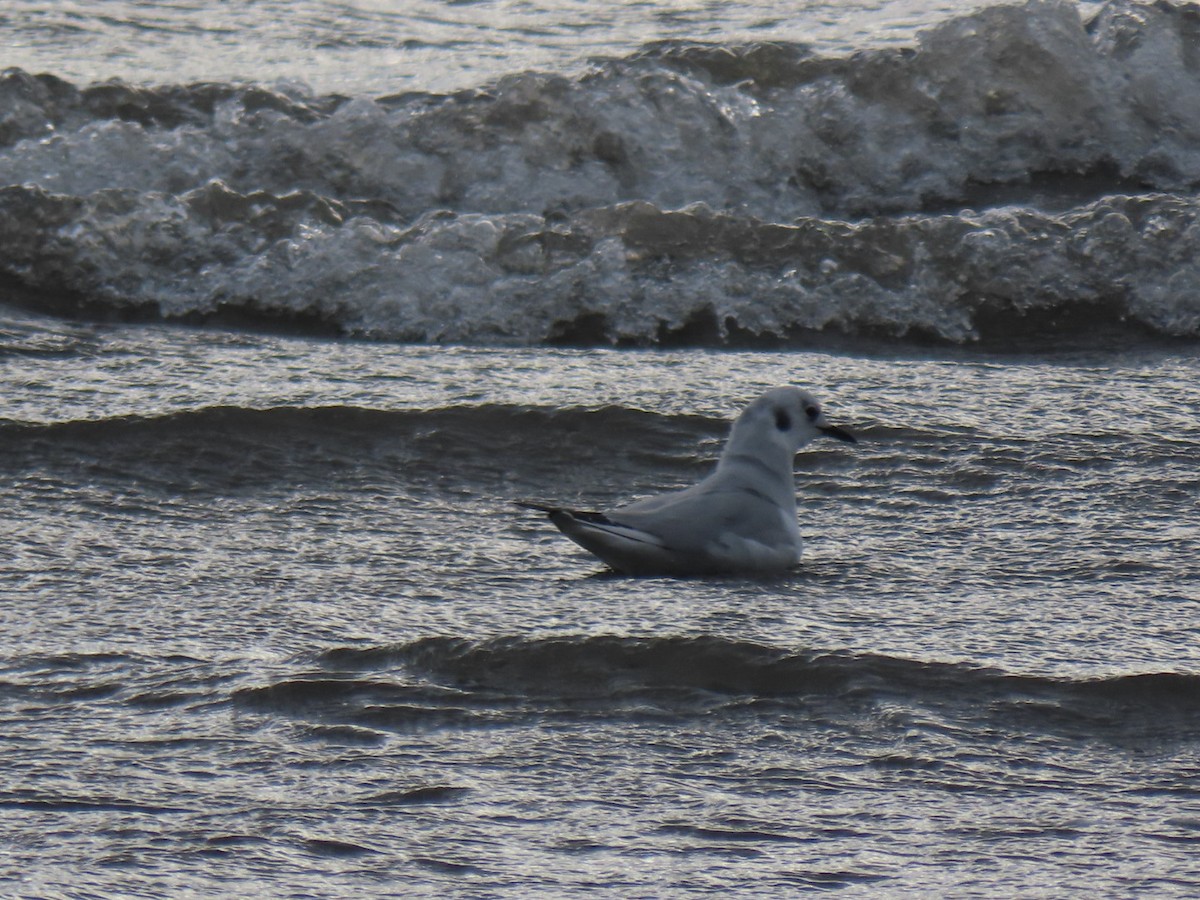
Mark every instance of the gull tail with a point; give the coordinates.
(627, 549)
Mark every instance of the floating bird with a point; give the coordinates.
(740, 519)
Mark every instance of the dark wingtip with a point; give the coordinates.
(561, 511)
(539, 507)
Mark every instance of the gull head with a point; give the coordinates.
(782, 421)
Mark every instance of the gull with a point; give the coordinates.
(740, 519)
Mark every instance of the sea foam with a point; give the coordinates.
(1017, 172)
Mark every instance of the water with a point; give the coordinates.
(277, 360)
(374, 46)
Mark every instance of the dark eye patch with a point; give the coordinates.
(812, 412)
(782, 420)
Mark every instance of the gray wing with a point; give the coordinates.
(692, 519)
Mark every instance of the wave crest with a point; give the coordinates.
(633, 273)
(692, 193)
(678, 672)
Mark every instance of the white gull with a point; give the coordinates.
(740, 519)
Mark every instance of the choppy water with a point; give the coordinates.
(275, 362)
(282, 625)
(379, 46)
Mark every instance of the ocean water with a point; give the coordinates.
(296, 301)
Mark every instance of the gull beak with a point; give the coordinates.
(840, 433)
(822, 425)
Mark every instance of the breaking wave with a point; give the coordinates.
(1018, 172)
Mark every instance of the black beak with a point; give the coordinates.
(840, 433)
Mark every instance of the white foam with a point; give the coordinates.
(686, 184)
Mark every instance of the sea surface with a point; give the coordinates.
(297, 300)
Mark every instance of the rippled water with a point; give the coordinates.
(378, 47)
(271, 618)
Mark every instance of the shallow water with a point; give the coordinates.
(281, 623)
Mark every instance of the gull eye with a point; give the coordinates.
(782, 420)
(812, 412)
